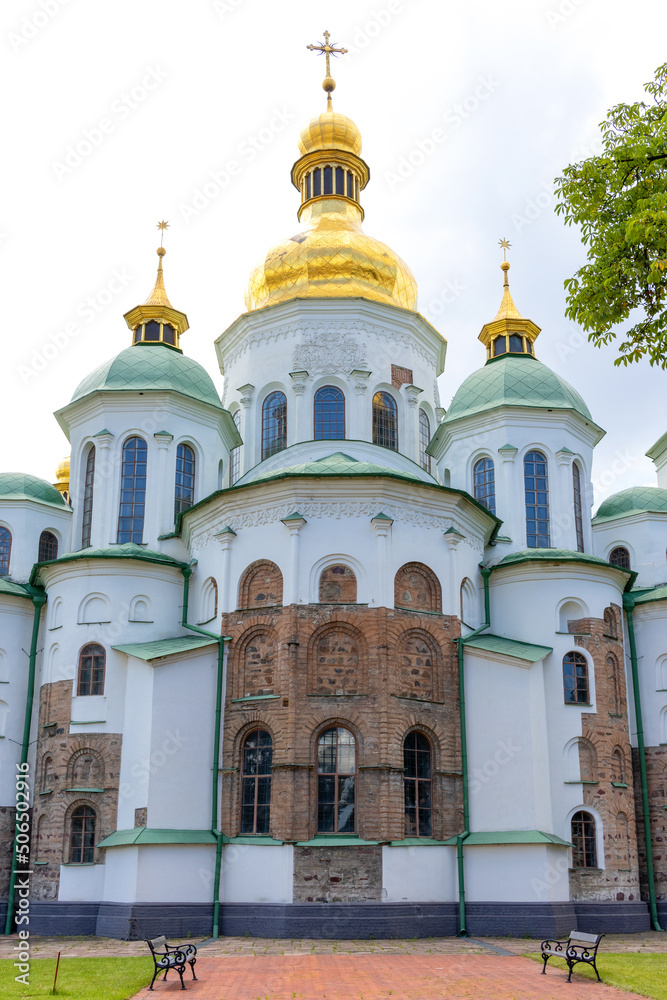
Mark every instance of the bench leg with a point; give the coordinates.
(153, 979)
(180, 972)
(192, 967)
(596, 971)
(544, 967)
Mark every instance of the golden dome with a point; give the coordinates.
(331, 258)
(330, 130)
(62, 477)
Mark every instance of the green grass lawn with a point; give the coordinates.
(644, 974)
(79, 978)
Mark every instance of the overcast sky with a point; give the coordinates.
(119, 115)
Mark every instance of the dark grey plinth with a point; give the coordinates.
(338, 921)
(612, 917)
(54, 917)
(541, 920)
(132, 921)
(662, 913)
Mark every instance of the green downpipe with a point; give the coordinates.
(187, 573)
(486, 573)
(38, 600)
(629, 605)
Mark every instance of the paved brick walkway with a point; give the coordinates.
(381, 977)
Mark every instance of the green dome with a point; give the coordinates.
(18, 486)
(151, 366)
(338, 464)
(514, 380)
(636, 500)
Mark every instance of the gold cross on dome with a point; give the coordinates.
(162, 226)
(505, 244)
(328, 50)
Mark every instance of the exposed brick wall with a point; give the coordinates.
(256, 663)
(7, 827)
(656, 779)
(338, 585)
(337, 874)
(379, 715)
(261, 585)
(88, 760)
(416, 587)
(604, 753)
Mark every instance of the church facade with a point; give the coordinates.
(321, 659)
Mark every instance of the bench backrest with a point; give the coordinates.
(578, 937)
(158, 943)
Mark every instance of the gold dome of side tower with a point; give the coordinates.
(156, 321)
(62, 478)
(332, 257)
(509, 332)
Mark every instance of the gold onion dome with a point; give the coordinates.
(331, 257)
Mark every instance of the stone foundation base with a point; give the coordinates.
(543, 920)
(612, 917)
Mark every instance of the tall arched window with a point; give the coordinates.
(575, 679)
(256, 782)
(576, 496)
(336, 770)
(274, 424)
(82, 836)
(235, 456)
(417, 785)
(424, 440)
(536, 484)
(5, 550)
(329, 414)
(385, 421)
(132, 491)
(184, 493)
(88, 484)
(92, 660)
(48, 547)
(584, 852)
(484, 483)
(620, 557)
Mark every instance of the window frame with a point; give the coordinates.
(88, 498)
(424, 439)
(89, 813)
(254, 778)
(577, 660)
(235, 454)
(384, 432)
(130, 496)
(534, 457)
(584, 843)
(92, 682)
(418, 783)
(5, 549)
(43, 554)
(325, 417)
(187, 491)
(578, 509)
(349, 828)
(484, 494)
(267, 443)
(620, 565)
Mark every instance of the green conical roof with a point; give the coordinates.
(151, 366)
(514, 380)
(18, 486)
(636, 500)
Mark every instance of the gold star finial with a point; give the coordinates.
(324, 48)
(162, 226)
(505, 244)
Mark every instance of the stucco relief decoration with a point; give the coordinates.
(338, 355)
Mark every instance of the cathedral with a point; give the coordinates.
(319, 658)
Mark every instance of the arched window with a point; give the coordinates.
(385, 421)
(209, 601)
(576, 497)
(184, 493)
(536, 484)
(329, 414)
(620, 557)
(256, 782)
(274, 424)
(235, 456)
(417, 785)
(132, 491)
(48, 547)
(82, 836)
(424, 440)
(484, 483)
(575, 679)
(88, 485)
(5, 550)
(92, 660)
(336, 770)
(584, 852)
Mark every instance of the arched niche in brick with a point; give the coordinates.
(261, 585)
(618, 765)
(417, 588)
(588, 760)
(338, 585)
(337, 660)
(418, 666)
(256, 663)
(85, 769)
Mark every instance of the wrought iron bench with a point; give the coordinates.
(579, 947)
(166, 958)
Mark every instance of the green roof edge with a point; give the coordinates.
(141, 835)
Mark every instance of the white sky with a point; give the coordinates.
(185, 87)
